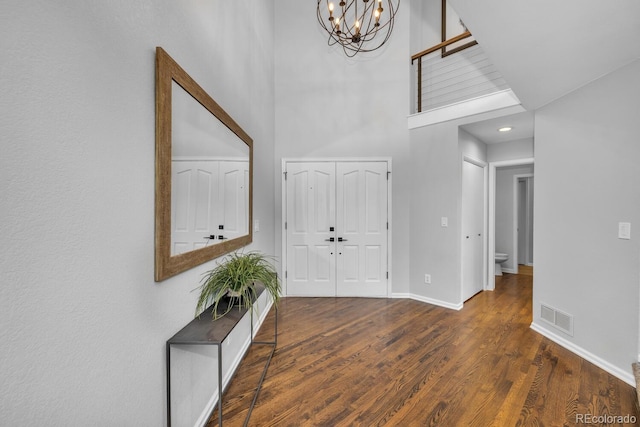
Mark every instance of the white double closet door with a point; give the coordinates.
(336, 228)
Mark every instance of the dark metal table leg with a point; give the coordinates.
(168, 362)
(220, 385)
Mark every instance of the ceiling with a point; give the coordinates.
(487, 131)
(546, 49)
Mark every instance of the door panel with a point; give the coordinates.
(204, 193)
(310, 211)
(350, 266)
(373, 259)
(233, 189)
(362, 224)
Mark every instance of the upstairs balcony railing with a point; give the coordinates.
(442, 80)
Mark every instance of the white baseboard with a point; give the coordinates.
(433, 301)
(626, 376)
(405, 295)
(204, 417)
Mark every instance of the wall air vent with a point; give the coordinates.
(548, 314)
(557, 319)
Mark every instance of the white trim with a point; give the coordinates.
(407, 295)
(334, 159)
(283, 220)
(590, 357)
(283, 216)
(491, 270)
(516, 219)
(469, 107)
(477, 162)
(208, 158)
(433, 301)
(390, 227)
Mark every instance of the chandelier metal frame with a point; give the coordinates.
(355, 26)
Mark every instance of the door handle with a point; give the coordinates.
(340, 239)
(331, 239)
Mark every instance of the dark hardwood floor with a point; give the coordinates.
(398, 362)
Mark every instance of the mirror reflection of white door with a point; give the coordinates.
(208, 197)
(346, 202)
(233, 205)
(194, 187)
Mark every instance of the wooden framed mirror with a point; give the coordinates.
(204, 175)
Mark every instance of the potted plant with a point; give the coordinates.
(236, 279)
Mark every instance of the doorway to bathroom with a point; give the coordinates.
(505, 232)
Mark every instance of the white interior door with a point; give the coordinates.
(361, 227)
(336, 228)
(310, 224)
(472, 229)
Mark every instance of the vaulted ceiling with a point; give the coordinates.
(548, 48)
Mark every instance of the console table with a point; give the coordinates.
(205, 331)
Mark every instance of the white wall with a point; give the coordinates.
(587, 179)
(511, 150)
(328, 105)
(436, 161)
(425, 22)
(471, 146)
(436, 177)
(83, 322)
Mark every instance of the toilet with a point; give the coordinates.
(500, 258)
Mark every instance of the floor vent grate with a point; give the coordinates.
(557, 318)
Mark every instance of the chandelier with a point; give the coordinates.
(354, 24)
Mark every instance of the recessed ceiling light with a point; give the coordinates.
(505, 129)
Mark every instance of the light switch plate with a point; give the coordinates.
(444, 221)
(624, 230)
